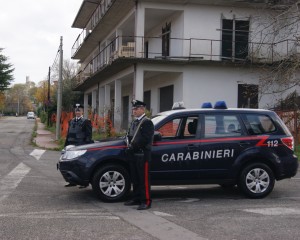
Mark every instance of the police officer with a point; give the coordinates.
(140, 137)
(80, 128)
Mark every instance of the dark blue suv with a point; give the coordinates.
(245, 147)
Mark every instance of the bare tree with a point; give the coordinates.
(278, 38)
(69, 97)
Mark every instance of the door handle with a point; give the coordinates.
(191, 147)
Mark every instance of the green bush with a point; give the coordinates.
(43, 117)
(297, 151)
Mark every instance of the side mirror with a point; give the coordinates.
(157, 136)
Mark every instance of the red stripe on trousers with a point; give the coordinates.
(147, 184)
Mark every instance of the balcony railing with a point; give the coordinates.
(187, 50)
(98, 14)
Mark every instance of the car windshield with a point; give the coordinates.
(156, 119)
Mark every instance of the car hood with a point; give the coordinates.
(106, 143)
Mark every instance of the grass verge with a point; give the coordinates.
(34, 134)
(60, 141)
(297, 151)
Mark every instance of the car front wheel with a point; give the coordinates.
(256, 180)
(111, 183)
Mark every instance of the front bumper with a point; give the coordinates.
(72, 173)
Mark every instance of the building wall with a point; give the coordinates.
(193, 84)
(211, 84)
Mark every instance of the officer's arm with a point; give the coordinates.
(88, 130)
(67, 142)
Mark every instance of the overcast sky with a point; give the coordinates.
(30, 33)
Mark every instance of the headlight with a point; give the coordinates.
(68, 155)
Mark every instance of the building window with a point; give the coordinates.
(247, 96)
(166, 33)
(235, 39)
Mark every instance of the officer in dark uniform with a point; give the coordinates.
(80, 128)
(139, 138)
(79, 131)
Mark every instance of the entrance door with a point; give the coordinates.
(125, 115)
(147, 100)
(166, 98)
(166, 33)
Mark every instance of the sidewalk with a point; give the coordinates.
(44, 138)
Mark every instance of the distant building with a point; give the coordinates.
(166, 51)
(29, 83)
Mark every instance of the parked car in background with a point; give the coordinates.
(30, 115)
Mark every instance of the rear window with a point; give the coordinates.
(221, 126)
(259, 124)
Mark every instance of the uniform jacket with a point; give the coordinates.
(144, 137)
(79, 132)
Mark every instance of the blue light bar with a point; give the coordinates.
(220, 105)
(206, 105)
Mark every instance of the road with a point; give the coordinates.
(34, 204)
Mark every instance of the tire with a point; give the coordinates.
(256, 180)
(111, 183)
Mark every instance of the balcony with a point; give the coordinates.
(123, 51)
(107, 14)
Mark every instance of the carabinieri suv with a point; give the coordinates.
(244, 147)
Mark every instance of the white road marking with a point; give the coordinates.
(37, 153)
(275, 211)
(152, 224)
(9, 183)
(162, 214)
(190, 200)
(62, 215)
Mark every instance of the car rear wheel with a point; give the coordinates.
(256, 180)
(111, 183)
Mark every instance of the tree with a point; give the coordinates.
(17, 99)
(69, 97)
(2, 102)
(6, 71)
(280, 30)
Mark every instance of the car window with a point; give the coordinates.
(184, 127)
(221, 126)
(259, 124)
(190, 128)
(170, 129)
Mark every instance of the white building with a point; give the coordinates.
(164, 51)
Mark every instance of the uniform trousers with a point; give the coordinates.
(139, 168)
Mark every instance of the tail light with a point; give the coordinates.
(289, 142)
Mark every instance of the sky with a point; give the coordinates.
(30, 32)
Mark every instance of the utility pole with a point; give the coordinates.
(59, 90)
(48, 98)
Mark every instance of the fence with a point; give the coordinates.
(291, 120)
(99, 124)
